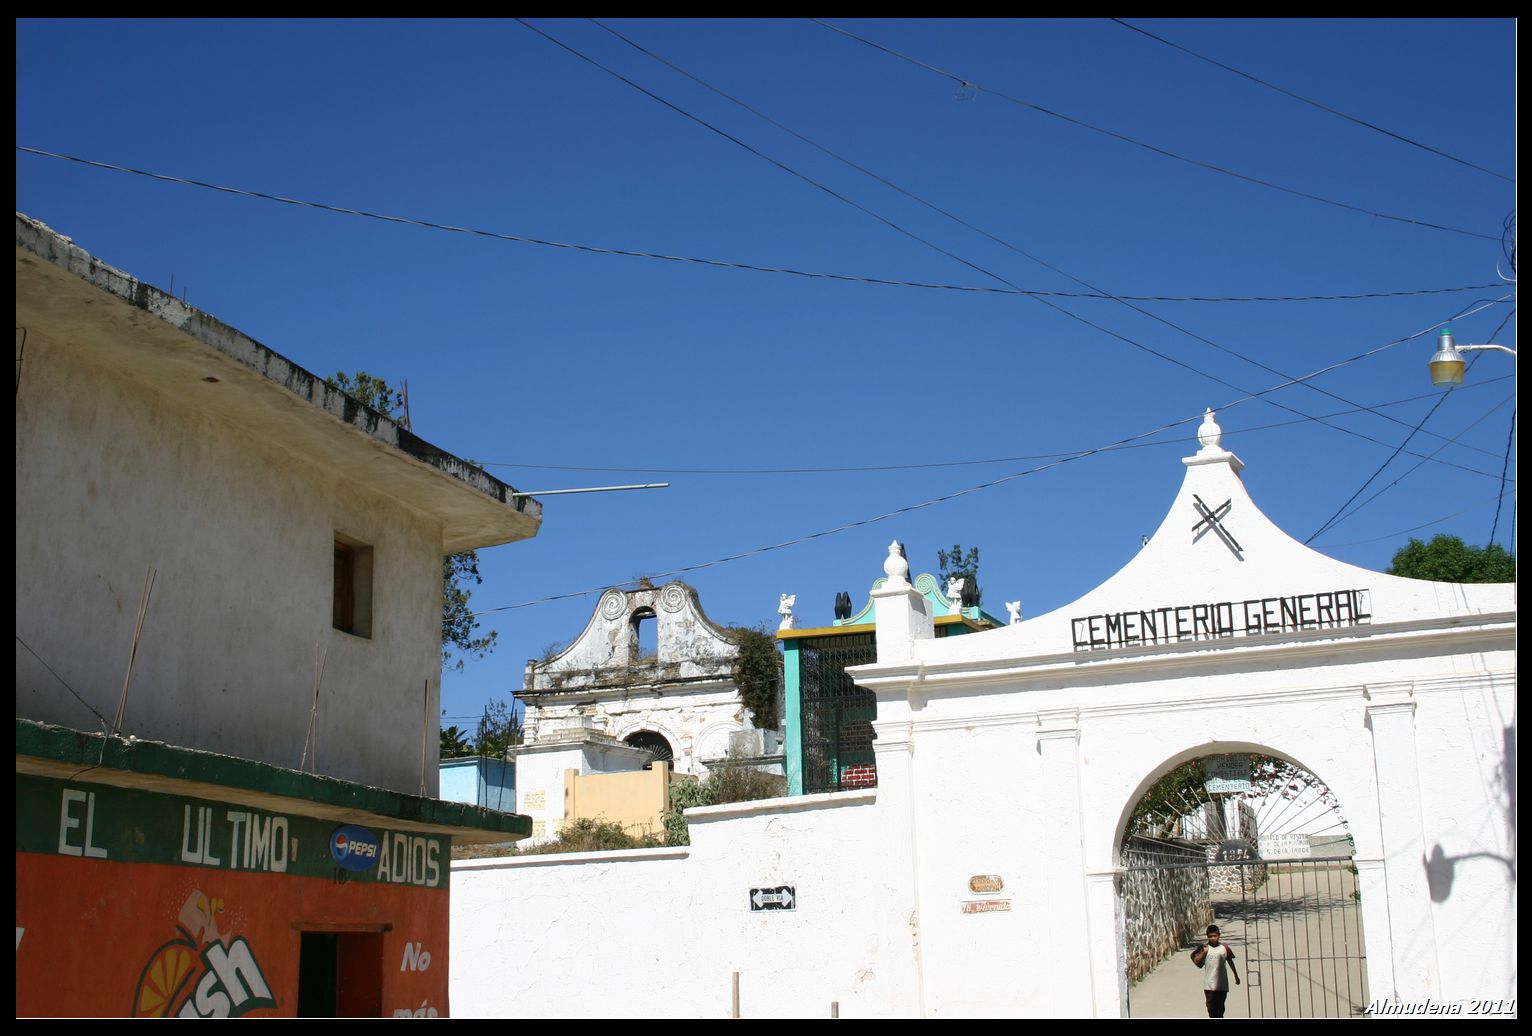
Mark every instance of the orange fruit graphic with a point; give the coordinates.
(164, 977)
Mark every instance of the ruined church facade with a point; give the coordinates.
(676, 699)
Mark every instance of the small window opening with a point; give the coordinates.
(646, 635)
(352, 611)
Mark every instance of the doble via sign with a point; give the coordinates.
(780, 897)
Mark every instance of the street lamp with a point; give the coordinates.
(1447, 364)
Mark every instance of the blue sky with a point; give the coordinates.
(519, 354)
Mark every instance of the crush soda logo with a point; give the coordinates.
(201, 973)
(354, 848)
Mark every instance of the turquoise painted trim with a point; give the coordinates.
(792, 700)
(925, 584)
(865, 615)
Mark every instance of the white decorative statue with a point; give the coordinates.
(1014, 607)
(785, 609)
(955, 591)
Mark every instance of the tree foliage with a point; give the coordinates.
(733, 779)
(758, 675)
(1177, 793)
(370, 391)
(498, 731)
(1447, 559)
(455, 743)
(458, 624)
(954, 564)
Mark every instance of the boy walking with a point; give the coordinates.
(1214, 957)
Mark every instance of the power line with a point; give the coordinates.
(1333, 518)
(716, 262)
(1510, 440)
(1421, 463)
(1121, 443)
(969, 84)
(957, 258)
(104, 724)
(721, 263)
(1312, 103)
(916, 198)
(864, 468)
(1401, 532)
(728, 264)
(884, 180)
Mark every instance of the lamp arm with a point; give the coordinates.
(1481, 348)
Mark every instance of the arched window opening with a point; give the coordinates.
(655, 744)
(645, 635)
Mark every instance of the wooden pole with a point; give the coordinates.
(834, 1008)
(735, 1013)
(425, 733)
(138, 629)
(313, 731)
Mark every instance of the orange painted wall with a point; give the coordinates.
(87, 929)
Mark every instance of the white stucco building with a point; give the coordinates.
(154, 440)
(228, 626)
(984, 875)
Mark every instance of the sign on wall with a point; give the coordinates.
(779, 897)
(122, 825)
(1330, 609)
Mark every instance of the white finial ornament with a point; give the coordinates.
(1014, 608)
(1209, 435)
(785, 609)
(895, 567)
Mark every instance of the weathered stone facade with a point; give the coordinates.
(603, 682)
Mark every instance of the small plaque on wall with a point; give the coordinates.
(985, 884)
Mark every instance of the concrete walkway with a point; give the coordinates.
(1298, 945)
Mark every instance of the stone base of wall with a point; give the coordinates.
(1163, 909)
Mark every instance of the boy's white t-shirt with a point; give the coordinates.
(1215, 975)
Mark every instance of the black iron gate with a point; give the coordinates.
(837, 715)
(1295, 927)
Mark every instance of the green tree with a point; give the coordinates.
(1447, 559)
(499, 729)
(370, 391)
(1177, 793)
(455, 743)
(758, 675)
(458, 624)
(954, 564)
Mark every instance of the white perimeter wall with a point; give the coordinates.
(113, 479)
(658, 933)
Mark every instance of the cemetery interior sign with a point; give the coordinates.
(1331, 609)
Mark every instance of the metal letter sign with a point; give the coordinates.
(1213, 519)
(781, 897)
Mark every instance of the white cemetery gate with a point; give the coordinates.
(1023, 753)
(986, 875)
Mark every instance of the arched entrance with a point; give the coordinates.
(1257, 845)
(655, 743)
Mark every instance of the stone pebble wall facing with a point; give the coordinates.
(1163, 910)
